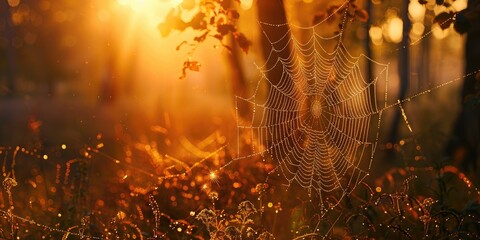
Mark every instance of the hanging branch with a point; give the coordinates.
(212, 20)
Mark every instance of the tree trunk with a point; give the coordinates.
(239, 85)
(403, 70)
(464, 146)
(273, 13)
(368, 46)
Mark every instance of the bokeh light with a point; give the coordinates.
(393, 29)
(416, 11)
(376, 35)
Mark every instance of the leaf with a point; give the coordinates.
(233, 14)
(192, 66)
(198, 21)
(179, 24)
(361, 15)
(180, 45)
(209, 5)
(202, 37)
(332, 9)
(188, 4)
(224, 29)
(219, 21)
(166, 27)
(242, 41)
(444, 20)
(172, 21)
(319, 16)
(227, 47)
(218, 36)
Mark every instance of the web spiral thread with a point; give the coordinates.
(319, 122)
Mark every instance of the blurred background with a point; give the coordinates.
(77, 68)
(82, 67)
(110, 74)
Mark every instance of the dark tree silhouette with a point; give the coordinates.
(403, 69)
(464, 147)
(273, 12)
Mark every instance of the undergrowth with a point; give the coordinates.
(84, 192)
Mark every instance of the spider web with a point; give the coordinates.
(320, 121)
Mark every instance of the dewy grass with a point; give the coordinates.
(89, 197)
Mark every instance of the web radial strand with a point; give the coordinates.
(319, 120)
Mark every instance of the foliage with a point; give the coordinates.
(428, 199)
(211, 19)
(462, 20)
(333, 12)
(232, 226)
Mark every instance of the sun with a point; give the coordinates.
(151, 10)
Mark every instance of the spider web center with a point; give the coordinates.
(320, 121)
(316, 109)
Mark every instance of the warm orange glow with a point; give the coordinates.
(438, 32)
(459, 5)
(150, 10)
(13, 3)
(416, 11)
(247, 4)
(376, 35)
(212, 176)
(418, 29)
(394, 29)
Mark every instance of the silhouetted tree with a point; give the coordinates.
(464, 147)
